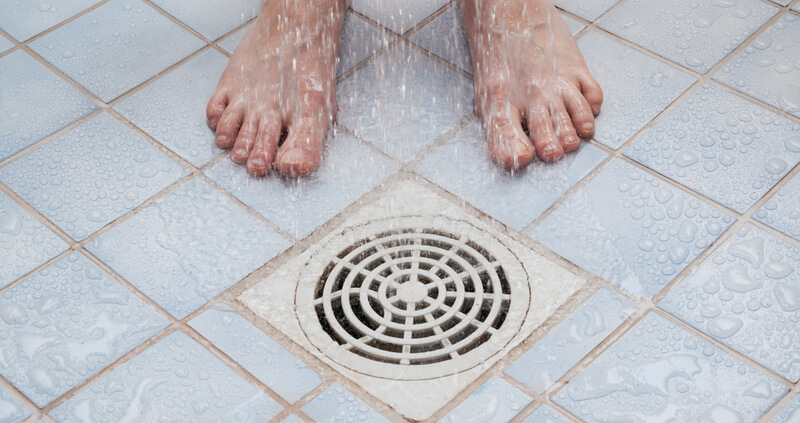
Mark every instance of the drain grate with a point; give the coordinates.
(392, 298)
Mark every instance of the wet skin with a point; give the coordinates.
(282, 76)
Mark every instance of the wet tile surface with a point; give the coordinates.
(299, 207)
(397, 16)
(256, 352)
(11, 411)
(358, 41)
(463, 166)
(196, 242)
(25, 243)
(782, 211)
(546, 414)
(65, 324)
(573, 25)
(337, 404)
(34, 103)
(24, 19)
(631, 229)
(446, 37)
(403, 102)
(768, 68)
(292, 419)
(230, 43)
(172, 110)
(586, 9)
(721, 146)
(496, 401)
(5, 44)
(123, 51)
(173, 380)
(658, 371)
(790, 413)
(693, 34)
(636, 87)
(90, 175)
(575, 337)
(211, 18)
(747, 295)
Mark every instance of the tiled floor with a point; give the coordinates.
(127, 238)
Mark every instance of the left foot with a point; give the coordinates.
(528, 68)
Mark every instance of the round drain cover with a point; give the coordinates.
(412, 297)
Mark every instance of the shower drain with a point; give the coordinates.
(407, 299)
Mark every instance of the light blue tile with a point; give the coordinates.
(175, 380)
(636, 87)
(125, 48)
(91, 175)
(211, 18)
(747, 295)
(659, 372)
(463, 166)
(188, 247)
(546, 414)
(11, 411)
(5, 44)
(571, 340)
(24, 19)
(446, 37)
(721, 146)
(230, 43)
(358, 41)
(782, 211)
(292, 419)
(782, 2)
(173, 109)
(403, 102)
(573, 25)
(34, 103)
(337, 404)
(270, 363)
(348, 171)
(496, 401)
(796, 8)
(586, 9)
(66, 323)
(769, 68)
(790, 413)
(694, 34)
(631, 228)
(24, 242)
(399, 16)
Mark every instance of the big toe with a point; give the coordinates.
(301, 154)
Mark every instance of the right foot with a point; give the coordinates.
(281, 77)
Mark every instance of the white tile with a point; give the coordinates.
(694, 34)
(399, 16)
(782, 211)
(337, 404)
(230, 43)
(496, 401)
(722, 146)
(24, 19)
(446, 37)
(211, 18)
(546, 414)
(126, 47)
(403, 102)
(769, 68)
(586, 9)
(359, 40)
(790, 413)
(173, 109)
(11, 411)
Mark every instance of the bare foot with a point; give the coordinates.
(528, 69)
(281, 77)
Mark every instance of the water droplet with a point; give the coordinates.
(793, 144)
(789, 99)
(776, 165)
(777, 269)
(788, 296)
(724, 327)
(751, 250)
(694, 60)
(685, 158)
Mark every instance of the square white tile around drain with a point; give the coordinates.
(390, 298)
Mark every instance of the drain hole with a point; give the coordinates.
(430, 297)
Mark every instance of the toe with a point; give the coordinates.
(592, 92)
(564, 131)
(215, 108)
(581, 113)
(266, 143)
(540, 126)
(228, 127)
(302, 152)
(508, 144)
(245, 139)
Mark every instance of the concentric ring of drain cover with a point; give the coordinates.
(412, 297)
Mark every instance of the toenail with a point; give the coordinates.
(258, 161)
(240, 152)
(588, 126)
(293, 157)
(550, 148)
